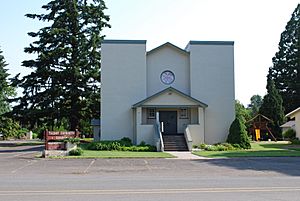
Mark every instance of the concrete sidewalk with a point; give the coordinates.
(185, 155)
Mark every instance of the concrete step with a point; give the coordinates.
(175, 142)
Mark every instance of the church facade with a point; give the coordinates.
(167, 90)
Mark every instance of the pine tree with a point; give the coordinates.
(5, 89)
(272, 108)
(286, 64)
(238, 134)
(65, 82)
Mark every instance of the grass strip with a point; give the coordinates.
(121, 154)
(260, 149)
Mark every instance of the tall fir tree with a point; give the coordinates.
(5, 88)
(272, 108)
(286, 64)
(65, 82)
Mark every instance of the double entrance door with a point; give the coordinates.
(168, 120)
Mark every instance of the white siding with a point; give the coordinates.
(212, 81)
(167, 58)
(123, 83)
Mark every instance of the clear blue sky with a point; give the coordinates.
(254, 25)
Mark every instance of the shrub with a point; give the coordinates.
(142, 143)
(290, 134)
(9, 128)
(238, 134)
(203, 146)
(228, 146)
(72, 140)
(22, 132)
(34, 135)
(76, 152)
(125, 141)
(295, 141)
(219, 147)
(211, 148)
(121, 145)
(195, 146)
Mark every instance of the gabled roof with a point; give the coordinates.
(168, 44)
(291, 114)
(260, 115)
(171, 89)
(288, 124)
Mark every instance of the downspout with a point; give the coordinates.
(204, 134)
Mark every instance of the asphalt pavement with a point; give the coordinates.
(26, 177)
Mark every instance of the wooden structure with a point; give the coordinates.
(259, 127)
(54, 139)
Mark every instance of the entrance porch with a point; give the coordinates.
(169, 113)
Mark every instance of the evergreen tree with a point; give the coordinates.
(272, 108)
(286, 64)
(238, 134)
(65, 82)
(5, 89)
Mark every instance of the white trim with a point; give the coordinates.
(292, 112)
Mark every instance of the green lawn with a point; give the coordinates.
(259, 149)
(121, 154)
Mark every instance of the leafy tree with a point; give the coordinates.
(241, 111)
(286, 63)
(256, 102)
(65, 82)
(8, 127)
(238, 134)
(272, 108)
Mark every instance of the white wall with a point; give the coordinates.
(297, 123)
(145, 133)
(197, 134)
(123, 83)
(212, 81)
(167, 58)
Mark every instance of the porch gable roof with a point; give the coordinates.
(172, 90)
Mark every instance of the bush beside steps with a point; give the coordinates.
(124, 144)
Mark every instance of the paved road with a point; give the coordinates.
(23, 177)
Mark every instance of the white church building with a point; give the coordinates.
(168, 94)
